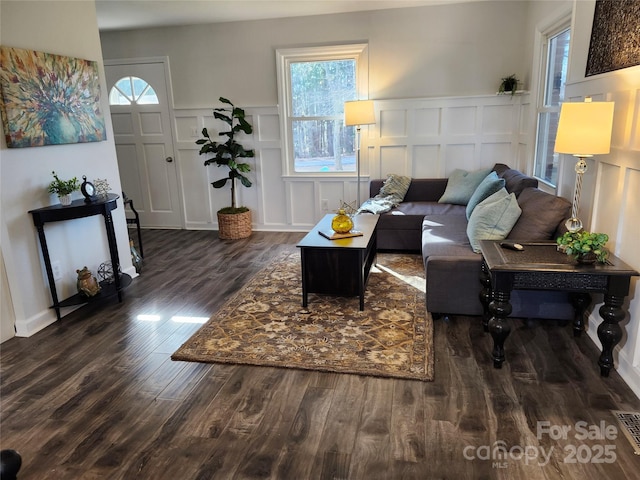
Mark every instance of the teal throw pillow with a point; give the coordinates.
(493, 218)
(490, 185)
(461, 186)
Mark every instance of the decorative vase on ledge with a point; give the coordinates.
(65, 200)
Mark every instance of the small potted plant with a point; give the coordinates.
(63, 188)
(509, 84)
(585, 247)
(233, 222)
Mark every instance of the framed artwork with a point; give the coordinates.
(48, 99)
(615, 36)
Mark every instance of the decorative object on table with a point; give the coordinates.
(264, 324)
(88, 190)
(49, 99)
(233, 222)
(105, 272)
(342, 222)
(63, 188)
(585, 247)
(615, 42)
(584, 130)
(102, 187)
(87, 283)
(136, 260)
(509, 84)
(358, 113)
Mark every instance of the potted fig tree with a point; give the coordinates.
(234, 222)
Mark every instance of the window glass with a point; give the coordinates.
(555, 67)
(130, 90)
(319, 89)
(314, 84)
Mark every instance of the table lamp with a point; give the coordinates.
(359, 112)
(584, 130)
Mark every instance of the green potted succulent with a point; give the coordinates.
(63, 188)
(585, 247)
(509, 84)
(234, 222)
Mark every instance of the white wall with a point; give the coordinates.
(65, 28)
(610, 197)
(445, 50)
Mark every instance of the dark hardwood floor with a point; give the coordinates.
(96, 395)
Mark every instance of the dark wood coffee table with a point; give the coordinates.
(338, 267)
(541, 267)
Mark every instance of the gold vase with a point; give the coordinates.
(342, 222)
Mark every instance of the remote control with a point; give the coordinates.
(512, 246)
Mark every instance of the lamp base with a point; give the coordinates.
(573, 224)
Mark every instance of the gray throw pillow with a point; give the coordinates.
(461, 185)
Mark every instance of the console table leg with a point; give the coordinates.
(485, 295)
(580, 302)
(609, 332)
(499, 328)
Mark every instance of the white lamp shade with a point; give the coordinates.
(359, 112)
(584, 128)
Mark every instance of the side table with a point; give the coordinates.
(541, 267)
(79, 209)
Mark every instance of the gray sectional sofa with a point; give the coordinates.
(439, 231)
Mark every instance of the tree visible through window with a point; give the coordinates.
(314, 84)
(321, 142)
(132, 90)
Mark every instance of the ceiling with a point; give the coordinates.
(129, 14)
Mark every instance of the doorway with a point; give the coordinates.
(139, 102)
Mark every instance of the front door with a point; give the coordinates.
(139, 105)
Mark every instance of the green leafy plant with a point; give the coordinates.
(509, 84)
(63, 187)
(227, 153)
(581, 243)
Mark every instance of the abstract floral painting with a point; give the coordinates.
(49, 99)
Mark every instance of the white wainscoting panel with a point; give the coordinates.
(420, 138)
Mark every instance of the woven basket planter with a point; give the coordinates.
(233, 226)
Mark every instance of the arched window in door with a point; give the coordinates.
(132, 90)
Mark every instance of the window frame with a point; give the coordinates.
(542, 109)
(284, 58)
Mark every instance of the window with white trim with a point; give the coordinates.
(554, 64)
(132, 90)
(313, 84)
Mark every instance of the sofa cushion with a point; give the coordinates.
(515, 181)
(461, 185)
(490, 185)
(542, 214)
(445, 235)
(493, 218)
(409, 215)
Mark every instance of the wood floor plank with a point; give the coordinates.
(96, 396)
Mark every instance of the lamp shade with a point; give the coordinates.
(359, 112)
(584, 128)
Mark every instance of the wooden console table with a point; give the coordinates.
(541, 267)
(80, 209)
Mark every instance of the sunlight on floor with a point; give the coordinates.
(175, 318)
(416, 282)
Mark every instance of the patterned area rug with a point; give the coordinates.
(265, 324)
